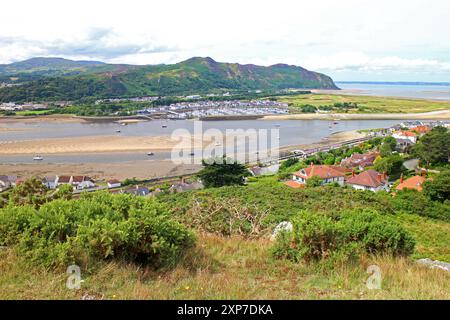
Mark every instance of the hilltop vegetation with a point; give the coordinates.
(65, 80)
(240, 264)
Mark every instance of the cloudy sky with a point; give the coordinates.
(395, 40)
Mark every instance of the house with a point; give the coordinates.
(50, 182)
(183, 187)
(360, 161)
(369, 180)
(415, 183)
(60, 180)
(403, 144)
(113, 183)
(421, 130)
(85, 184)
(328, 174)
(405, 135)
(7, 182)
(4, 183)
(139, 191)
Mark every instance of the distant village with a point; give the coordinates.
(200, 109)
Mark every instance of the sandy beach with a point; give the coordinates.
(93, 144)
(434, 115)
(103, 171)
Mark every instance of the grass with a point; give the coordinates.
(368, 104)
(227, 268)
(432, 236)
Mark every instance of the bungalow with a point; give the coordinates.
(60, 180)
(360, 161)
(405, 135)
(50, 182)
(415, 183)
(85, 184)
(113, 183)
(328, 174)
(369, 180)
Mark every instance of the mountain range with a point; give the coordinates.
(61, 79)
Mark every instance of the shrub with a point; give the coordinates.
(95, 227)
(225, 217)
(319, 237)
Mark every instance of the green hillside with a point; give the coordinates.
(55, 79)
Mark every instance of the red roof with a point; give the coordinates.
(412, 183)
(420, 129)
(407, 133)
(322, 171)
(294, 184)
(78, 179)
(369, 178)
(63, 179)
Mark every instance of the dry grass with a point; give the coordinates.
(227, 268)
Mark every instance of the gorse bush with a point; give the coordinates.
(343, 237)
(95, 227)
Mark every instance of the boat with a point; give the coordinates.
(218, 144)
(164, 126)
(38, 158)
(124, 123)
(118, 131)
(191, 154)
(150, 153)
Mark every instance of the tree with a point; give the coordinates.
(222, 171)
(64, 192)
(434, 147)
(392, 164)
(314, 181)
(31, 191)
(385, 150)
(391, 142)
(438, 188)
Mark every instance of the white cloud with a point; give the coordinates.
(356, 36)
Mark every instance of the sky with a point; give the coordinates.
(350, 40)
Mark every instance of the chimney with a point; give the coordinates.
(312, 164)
(353, 173)
(424, 173)
(401, 178)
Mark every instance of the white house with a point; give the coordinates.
(369, 180)
(328, 174)
(411, 136)
(113, 183)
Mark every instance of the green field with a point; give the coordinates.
(367, 104)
